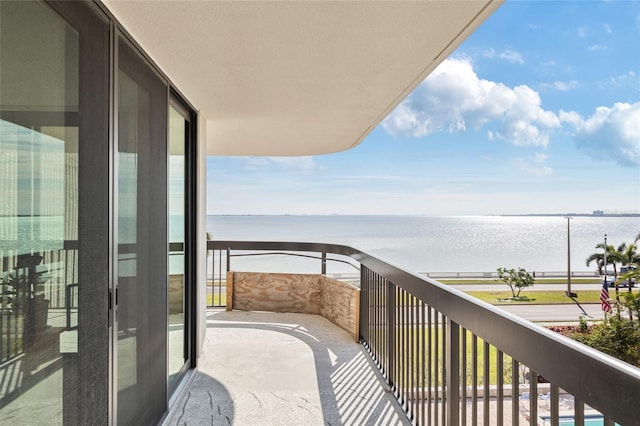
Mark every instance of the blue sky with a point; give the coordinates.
(538, 111)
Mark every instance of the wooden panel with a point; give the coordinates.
(340, 304)
(335, 300)
(298, 293)
(229, 290)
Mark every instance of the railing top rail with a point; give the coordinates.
(282, 245)
(604, 382)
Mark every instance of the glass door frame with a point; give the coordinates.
(190, 245)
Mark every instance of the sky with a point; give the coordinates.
(538, 111)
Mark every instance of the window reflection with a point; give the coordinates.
(176, 294)
(38, 211)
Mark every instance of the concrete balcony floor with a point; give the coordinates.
(283, 369)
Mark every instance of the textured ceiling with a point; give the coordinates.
(296, 78)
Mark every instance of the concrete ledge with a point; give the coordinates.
(315, 294)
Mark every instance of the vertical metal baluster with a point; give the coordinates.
(384, 336)
(445, 365)
(399, 346)
(225, 273)
(373, 314)
(533, 396)
(554, 397)
(403, 348)
(486, 378)
(377, 327)
(437, 359)
(463, 379)
(474, 381)
(382, 321)
(423, 360)
(375, 323)
(375, 332)
(500, 389)
(406, 355)
(2, 356)
(384, 328)
(515, 393)
(362, 334)
(412, 348)
(390, 336)
(608, 421)
(578, 412)
(429, 365)
(453, 377)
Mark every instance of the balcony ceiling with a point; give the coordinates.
(297, 78)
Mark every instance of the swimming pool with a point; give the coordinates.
(589, 420)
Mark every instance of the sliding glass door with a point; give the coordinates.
(141, 205)
(180, 271)
(96, 205)
(53, 214)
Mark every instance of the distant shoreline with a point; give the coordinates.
(419, 215)
(572, 215)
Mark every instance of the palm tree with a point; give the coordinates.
(629, 258)
(612, 257)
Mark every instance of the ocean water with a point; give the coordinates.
(440, 244)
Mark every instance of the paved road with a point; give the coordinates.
(568, 312)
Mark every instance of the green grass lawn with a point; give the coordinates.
(436, 365)
(562, 281)
(218, 297)
(538, 297)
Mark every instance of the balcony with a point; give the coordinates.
(444, 357)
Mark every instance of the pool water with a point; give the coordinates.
(589, 420)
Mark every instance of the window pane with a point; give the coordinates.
(141, 321)
(39, 88)
(176, 344)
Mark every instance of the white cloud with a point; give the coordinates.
(562, 86)
(596, 47)
(507, 55)
(489, 53)
(541, 157)
(453, 98)
(511, 56)
(533, 167)
(607, 28)
(610, 133)
(300, 163)
(305, 163)
(629, 78)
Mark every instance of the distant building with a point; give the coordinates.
(598, 213)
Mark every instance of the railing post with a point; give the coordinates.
(453, 373)
(391, 332)
(228, 259)
(324, 263)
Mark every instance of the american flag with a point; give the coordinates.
(604, 297)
